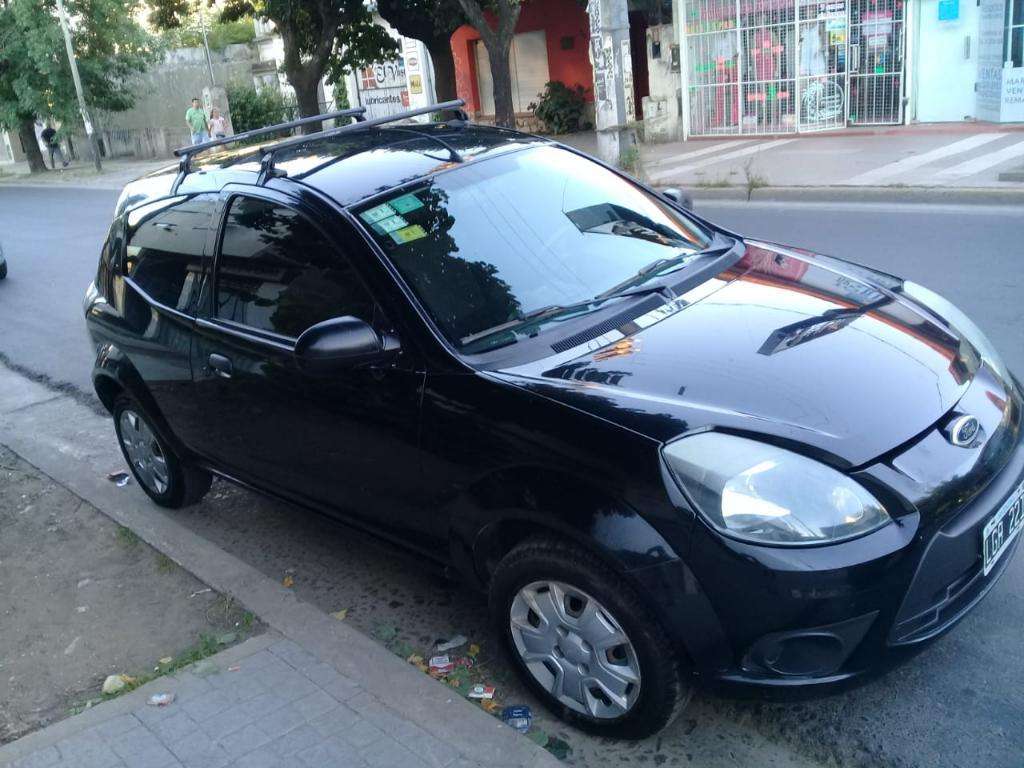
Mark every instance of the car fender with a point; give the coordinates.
(113, 373)
(511, 505)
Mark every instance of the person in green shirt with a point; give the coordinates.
(197, 123)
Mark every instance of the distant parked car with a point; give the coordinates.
(668, 453)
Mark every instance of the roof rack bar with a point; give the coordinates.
(356, 112)
(454, 106)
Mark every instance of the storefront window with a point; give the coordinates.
(1015, 33)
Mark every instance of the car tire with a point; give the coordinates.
(162, 474)
(3, 269)
(664, 685)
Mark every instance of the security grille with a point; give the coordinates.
(779, 66)
(876, 62)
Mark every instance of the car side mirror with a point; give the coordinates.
(678, 197)
(342, 342)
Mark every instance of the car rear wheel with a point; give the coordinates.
(584, 642)
(165, 478)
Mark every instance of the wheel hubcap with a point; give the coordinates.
(144, 452)
(575, 648)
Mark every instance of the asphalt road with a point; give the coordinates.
(959, 703)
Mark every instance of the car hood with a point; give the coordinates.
(802, 348)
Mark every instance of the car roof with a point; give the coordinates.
(348, 167)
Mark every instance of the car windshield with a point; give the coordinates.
(498, 248)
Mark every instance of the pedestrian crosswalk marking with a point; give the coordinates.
(983, 163)
(687, 156)
(759, 147)
(916, 161)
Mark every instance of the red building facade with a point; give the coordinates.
(558, 29)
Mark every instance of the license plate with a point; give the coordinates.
(1004, 526)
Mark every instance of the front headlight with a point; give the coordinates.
(768, 495)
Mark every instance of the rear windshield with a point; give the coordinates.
(487, 244)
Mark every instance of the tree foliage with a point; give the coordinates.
(432, 22)
(321, 37)
(35, 77)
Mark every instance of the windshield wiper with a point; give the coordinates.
(642, 283)
(533, 317)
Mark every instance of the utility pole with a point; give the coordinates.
(78, 85)
(206, 43)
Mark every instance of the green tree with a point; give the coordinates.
(498, 40)
(319, 36)
(35, 77)
(432, 22)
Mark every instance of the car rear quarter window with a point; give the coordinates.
(164, 256)
(277, 272)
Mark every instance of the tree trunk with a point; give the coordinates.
(501, 73)
(307, 97)
(27, 133)
(444, 68)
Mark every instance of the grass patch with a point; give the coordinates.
(754, 180)
(713, 183)
(126, 537)
(164, 564)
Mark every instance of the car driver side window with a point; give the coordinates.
(276, 272)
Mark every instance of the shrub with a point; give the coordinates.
(220, 34)
(258, 107)
(560, 107)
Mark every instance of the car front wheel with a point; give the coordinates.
(165, 478)
(584, 642)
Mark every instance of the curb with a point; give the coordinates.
(837, 194)
(73, 445)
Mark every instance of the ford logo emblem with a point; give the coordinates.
(962, 431)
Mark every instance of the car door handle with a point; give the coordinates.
(221, 366)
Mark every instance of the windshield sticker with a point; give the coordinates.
(406, 203)
(377, 213)
(408, 234)
(390, 224)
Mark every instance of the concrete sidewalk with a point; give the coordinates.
(312, 692)
(933, 159)
(116, 174)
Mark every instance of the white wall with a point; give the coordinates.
(946, 66)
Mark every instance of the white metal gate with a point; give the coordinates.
(781, 66)
(876, 62)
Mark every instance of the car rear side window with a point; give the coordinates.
(165, 248)
(277, 272)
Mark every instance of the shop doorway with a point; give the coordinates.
(785, 66)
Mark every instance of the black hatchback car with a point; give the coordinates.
(667, 452)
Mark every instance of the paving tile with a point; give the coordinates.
(289, 683)
(141, 748)
(294, 741)
(41, 758)
(361, 734)
(326, 677)
(116, 726)
(260, 758)
(293, 653)
(238, 686)
(204, 706)
(337, 720)
(313, 705)
(87, 750)
(244, 741)
(332, 753)
(387, 752)
(199, 751)
(175, 728)
(281, 721)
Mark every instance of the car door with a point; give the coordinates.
(348, 442)
(154, 290)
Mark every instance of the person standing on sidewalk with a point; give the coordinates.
(218, 124)
(198, 125)
(49, 136)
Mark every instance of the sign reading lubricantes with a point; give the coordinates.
(383, 89)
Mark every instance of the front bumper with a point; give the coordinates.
(818, 615)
